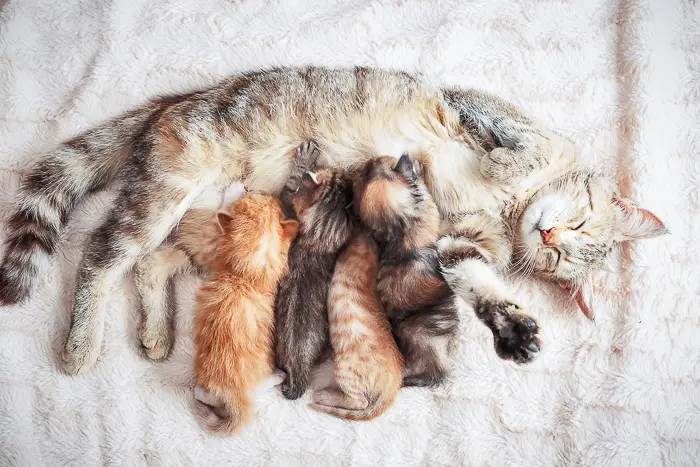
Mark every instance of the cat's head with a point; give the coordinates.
(569, 227)
(390, 197)
(255, 236)
(320, 204)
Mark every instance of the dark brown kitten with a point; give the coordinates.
(325, 226)
(393, 202)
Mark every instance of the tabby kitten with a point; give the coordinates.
(479, 152)
(233, 326)
(300, 310)
(395, 205)
(367, 365)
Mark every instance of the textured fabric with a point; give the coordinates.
(620, 78)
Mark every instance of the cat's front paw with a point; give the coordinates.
(516, 335)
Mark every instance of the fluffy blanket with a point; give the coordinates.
(621, 78)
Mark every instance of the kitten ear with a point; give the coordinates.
(577, 294)
(223, 218)
(635, 222)
(405, 167)
(289, 228)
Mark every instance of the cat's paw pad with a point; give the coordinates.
(516, 335)
(80, 352)
(156, 343)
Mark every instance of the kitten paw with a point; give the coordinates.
(80, 352)
(157, 342)
(307, 155)
(515, 334)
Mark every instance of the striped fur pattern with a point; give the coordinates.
(367, 364)
(325, 226)
(234, 321)
(478, 153)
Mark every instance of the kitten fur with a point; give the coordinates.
(478, 151)
(300, 310)
(393, 202)
(367, 365)
(233, 326)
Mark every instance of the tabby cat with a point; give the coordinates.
(367, 365)
(478, 152)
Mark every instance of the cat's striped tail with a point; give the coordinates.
(51, 190)
(377, 405)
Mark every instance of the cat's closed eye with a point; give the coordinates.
(578, 227)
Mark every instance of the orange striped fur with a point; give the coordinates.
(367, 364)
(234, 323)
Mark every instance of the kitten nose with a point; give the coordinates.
(549, 236)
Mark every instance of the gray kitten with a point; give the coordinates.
(301, 317)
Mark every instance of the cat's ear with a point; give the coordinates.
(405, 167)
(290, 228)
(223, 218)
(635, 222)
(577, 293)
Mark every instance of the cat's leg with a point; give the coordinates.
(144, 214)
(154, 276)
(470, 258)
(516, 147)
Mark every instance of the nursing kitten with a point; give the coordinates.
(234, 322)
(367, 365)
(301, 315)
(479, 152)
(393, 202)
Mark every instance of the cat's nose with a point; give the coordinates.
(550, 237)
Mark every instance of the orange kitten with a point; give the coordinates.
(367, 364)
(235, 315)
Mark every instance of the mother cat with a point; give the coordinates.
(477, 152)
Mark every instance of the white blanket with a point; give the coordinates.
(620, 78)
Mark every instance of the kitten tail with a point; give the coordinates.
(378, 404)
(222, 412)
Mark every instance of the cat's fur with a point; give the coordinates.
(367, 365)
(393, 202)
(325, 227)
(191, 248)
(478, 152)
(234, 321)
